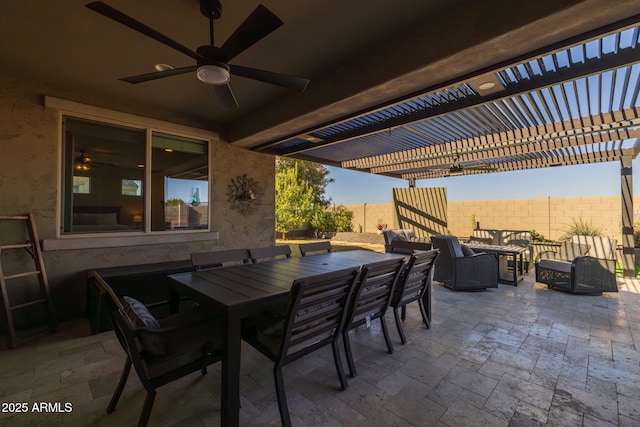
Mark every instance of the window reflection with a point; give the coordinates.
(97, 159)
(180, 183)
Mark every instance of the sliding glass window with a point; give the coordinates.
(108, 187)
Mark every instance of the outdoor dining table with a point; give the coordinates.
(517, 252)
(248, 289)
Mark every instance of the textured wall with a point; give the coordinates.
(549, 216)
(28, 183)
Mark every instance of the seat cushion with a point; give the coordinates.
(409, 233)
(466, 250)
(552, 264)
(396, 235)
(140, 317)
(186, 344)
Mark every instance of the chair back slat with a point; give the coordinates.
(217, 259)
(308, 248)
(373, 291)
(316, 311)
(269, 253)
(415, 278)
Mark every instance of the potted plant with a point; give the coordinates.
(381, 226)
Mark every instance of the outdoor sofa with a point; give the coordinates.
(405, 241)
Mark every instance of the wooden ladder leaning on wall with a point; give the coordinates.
(32, 245)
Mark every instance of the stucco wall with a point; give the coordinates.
(549, 216)
(28, 183)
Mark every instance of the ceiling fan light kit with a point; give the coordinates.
(81, 163)
(213, 74)
(212, 62)
(82, 167)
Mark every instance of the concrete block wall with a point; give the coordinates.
(366, 216)
(551, 217)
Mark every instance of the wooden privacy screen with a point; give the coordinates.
(422, 209)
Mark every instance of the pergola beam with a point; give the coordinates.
(534, 163)
(626, 193)
(500, 155)
(577, 70)
(596, 129)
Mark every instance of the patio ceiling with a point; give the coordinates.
(571, 103)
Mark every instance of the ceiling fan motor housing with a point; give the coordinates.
(212, 69)
(211, 9)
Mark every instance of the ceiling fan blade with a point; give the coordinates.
(290, 82)
(226, 96)
(111, 13)
(141, 78)
(258, 25)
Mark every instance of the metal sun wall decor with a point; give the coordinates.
(242, 192)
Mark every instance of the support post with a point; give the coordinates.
(626, 188)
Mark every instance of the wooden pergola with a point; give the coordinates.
(576, 102)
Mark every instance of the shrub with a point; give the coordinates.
(537, 237)
(174, 202)
(582, 228)
(636, 231)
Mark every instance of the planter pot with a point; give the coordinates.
(380, 231)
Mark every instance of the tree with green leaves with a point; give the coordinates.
(174, 202)
(300, 197)
(333, 218)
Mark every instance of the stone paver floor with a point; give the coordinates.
(512, 356)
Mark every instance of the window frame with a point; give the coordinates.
(75, 110)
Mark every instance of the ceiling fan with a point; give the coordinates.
(457, 169)
(212, 62)
(84, 162)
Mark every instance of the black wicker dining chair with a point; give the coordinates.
(314, 319)
(370, 301)
(414, 284)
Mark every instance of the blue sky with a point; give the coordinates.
(185, 188)
(601, 179)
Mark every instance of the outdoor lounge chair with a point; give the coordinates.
(161, 351)
(570, 269)
(414, 284)
(371, 300)
(315, 318)
(459, 269)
